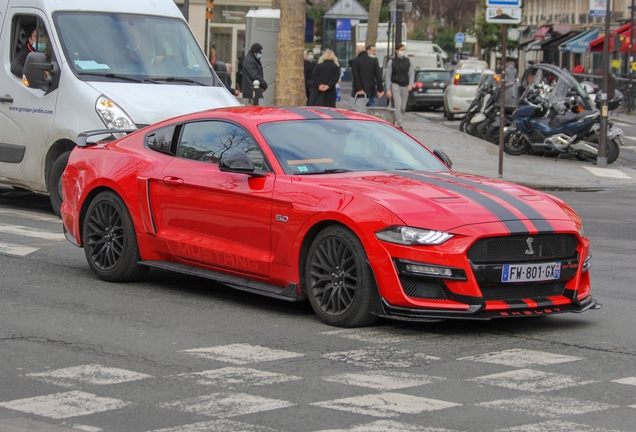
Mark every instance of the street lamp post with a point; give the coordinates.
(631, 60)
(601, 159)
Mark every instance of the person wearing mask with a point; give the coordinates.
(253, 70)
(323, 81)
(32, 45)
(309, 65)
(369, 74)
(511, 72)
(400, 76)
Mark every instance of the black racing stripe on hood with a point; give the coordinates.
(331, 113)
(540, 223)
(508, 218)
(309, 115)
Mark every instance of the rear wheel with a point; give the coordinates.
(450, 116)
(110, 242)
(515, 144)
(482, 128)
(464, 123)
(613, 150)
(338, 279)
(55, 182)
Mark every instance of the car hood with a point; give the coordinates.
(150, 103)
(449, 200)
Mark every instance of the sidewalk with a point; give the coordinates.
(475, 156)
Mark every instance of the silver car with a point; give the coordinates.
(460, 92)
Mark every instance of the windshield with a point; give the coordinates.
(426, 76)
(469, 79)
(137, 48)
(323, 146)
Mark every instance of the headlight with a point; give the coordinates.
(581, 231)
(113, 116)
(412, 236)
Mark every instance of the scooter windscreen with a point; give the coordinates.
(537, 79)
(559, 94)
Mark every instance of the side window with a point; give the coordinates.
(161, 140)
(29, 34)
(209, 141)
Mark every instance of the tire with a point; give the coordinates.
(471, 129)
(515, 144)
(337, 269)
(110, 241)
(482, 128)
(450, 116)
(55, 182)
(464, 123)
(613, 151)
(492, 135)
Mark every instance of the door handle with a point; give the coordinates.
(173, 181)
(6, 98)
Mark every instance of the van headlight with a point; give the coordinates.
(113, 116)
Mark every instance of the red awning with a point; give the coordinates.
(540, 34)
(624, 32)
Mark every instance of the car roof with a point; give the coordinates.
(431, 70)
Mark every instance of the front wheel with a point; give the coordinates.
(110, 242)
(515, 144)
(613, 150)
(55, 182)
(338, 280)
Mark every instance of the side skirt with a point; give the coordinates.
(288, 293)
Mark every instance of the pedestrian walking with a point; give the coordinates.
(253, 70)
(324, 79)
(357, 102)
(309, 65)
(369, 74)
(511, 71)
(400, 76)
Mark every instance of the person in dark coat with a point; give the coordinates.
(369, 74)
(253, 70)
(309, 66)
(17, 65)
(323, 81)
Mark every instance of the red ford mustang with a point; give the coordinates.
(330, 205)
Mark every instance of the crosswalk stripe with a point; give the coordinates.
(629, 137)
(30, 232)
(29, 215)
(16, 250)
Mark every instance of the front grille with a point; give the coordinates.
(512, 249)
(424, 288)
(526, 290)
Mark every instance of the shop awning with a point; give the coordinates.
(579, 43)
(597, 44)
(551, 44)
(540, 34)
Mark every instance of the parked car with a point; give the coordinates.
(330, 205)
(460, 92)
(472, 64)
(428, 89)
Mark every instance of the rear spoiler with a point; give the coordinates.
(82, 138)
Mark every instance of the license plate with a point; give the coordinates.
(530, 272)
(434, 91)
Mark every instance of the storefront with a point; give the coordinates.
(575, 50)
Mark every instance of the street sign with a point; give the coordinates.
(503, 3)
(598, 8)
(503, 15)
(459, 38)
(460, 45)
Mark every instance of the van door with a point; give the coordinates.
(26, 114)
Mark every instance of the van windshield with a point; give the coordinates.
(133, 48)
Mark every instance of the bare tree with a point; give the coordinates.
(374, 19)
(290, 79)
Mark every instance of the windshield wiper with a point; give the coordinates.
(183, 80)
(322, 171)
(116, 76)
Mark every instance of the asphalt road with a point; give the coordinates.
(183, 354)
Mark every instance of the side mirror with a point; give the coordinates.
(38, 71)
(238, 162)
(443, 157)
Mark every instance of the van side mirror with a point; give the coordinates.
(38, 72)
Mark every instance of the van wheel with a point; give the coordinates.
(55, 182)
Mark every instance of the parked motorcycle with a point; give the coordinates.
(553, 121)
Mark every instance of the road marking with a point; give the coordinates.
(65, 405)
(521, 358)
(381, 357)
(84, 428)
(23, 214)
(630, 381)
(232, 377)
(16, 250)
(381, 380)
(380, 335)
(386, 404)
(531, 380)
(224, 405)
(218, 426)
(607, 172)
(547, 406)
(242, 353)
(30, 232)
(555, 425)
(629, 137)
(388, 426)
(91, 374)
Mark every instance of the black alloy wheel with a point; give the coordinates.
(109, 239)
(515, 144)
(338, 279)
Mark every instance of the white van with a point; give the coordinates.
(91, 64)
